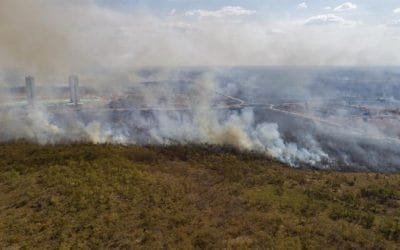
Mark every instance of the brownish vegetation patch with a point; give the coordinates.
(111, 196)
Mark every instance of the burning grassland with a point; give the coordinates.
(301, 131)
(109, 157)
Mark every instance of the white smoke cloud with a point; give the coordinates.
(203, 124)
(47, 38)
(69, 37)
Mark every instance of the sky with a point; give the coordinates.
(365, 11)
(88, 35)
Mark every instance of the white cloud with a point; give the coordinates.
(327, 8)
(348, 6)
(227, 11)
(396, 11)
(395, 23)
(302, 6)
(327, 20)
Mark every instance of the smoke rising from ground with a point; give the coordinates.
(203, 123)
(52, 39)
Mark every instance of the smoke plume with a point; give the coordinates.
(110, 49)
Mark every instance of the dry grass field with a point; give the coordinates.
(83, 196)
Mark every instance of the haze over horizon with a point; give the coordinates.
(59, 36)
(108, 43)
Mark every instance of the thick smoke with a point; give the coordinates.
(201, 123)
(108, 49)
(58, 36)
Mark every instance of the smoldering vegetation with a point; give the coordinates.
(155, 112)
(140, 84)
(348, 113)
(297, 115)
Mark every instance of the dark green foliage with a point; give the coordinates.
(186, 197)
